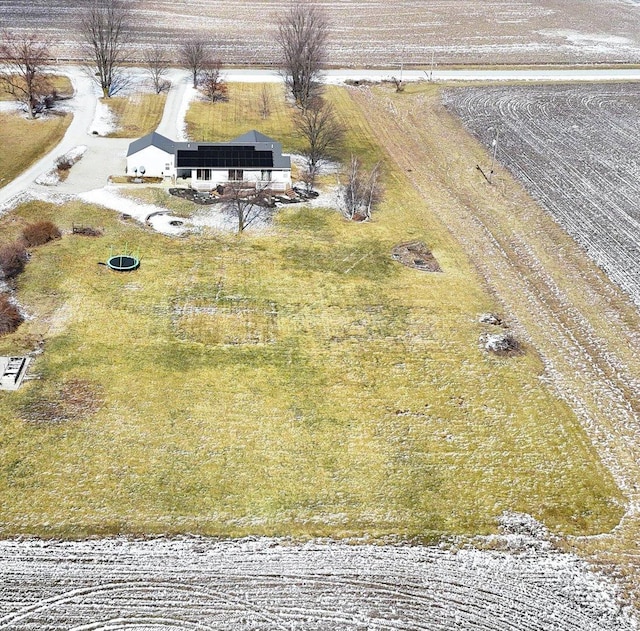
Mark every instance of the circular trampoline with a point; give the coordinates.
(123, 263)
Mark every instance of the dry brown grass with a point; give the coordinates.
(136, 115)
(25, 141)
(542, 280)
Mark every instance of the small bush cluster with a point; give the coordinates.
(63, 163)
(40, 233)
(10, 316)
(13, 258)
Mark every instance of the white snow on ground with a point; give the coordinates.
(109, 197)
(104, 121)
(193, 582)
(51, 177)
(190, 94)
(9, 106)
(159, 218)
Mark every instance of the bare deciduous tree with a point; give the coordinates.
(302, 36)
(156, 66)
(194, 56)
(212, 83)
(361, 191)
(318, 125)
(246, 203)
(25, 59)
(265, 101)
(104, 31)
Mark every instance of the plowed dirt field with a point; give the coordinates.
(372, 32)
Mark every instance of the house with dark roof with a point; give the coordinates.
(252, 158)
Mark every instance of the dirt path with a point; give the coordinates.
(585, 329)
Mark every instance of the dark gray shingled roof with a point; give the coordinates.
(152, 139)
(252, 149)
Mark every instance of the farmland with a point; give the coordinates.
(264, 584)
(382, 34)
(299, 382)
(575, 150)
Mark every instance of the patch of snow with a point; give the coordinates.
(181, 126)
(52, 177)
(576, 38)
(10, 107)
(104, 121)
(261, 583)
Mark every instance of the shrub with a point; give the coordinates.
(63, 163)
(13, 258)
(87, 231)
(42, 232)
(10, 316)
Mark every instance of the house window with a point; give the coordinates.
(265, 175)
(236, 175)
(203, 174)
(167, 166)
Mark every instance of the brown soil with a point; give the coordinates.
(416, 255)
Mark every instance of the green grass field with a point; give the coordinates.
(297, 383)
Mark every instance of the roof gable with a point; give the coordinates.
(152, 140)
(251, 137)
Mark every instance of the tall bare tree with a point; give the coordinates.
(323, 134)
(302, 35)
(246, 203)
(194, 56)
(104, 30)
(24, 60)
(212, 83)
(361, 191)
(156, 67)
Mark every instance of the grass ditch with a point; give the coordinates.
(296, 383)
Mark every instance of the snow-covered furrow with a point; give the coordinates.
(196, 583)
(574, 149)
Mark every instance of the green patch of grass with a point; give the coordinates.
(295, 383)
(26, 141)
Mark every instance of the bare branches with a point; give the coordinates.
(24, 60)
(212, 83)
(265, 102)
(194, 56)
(104, 30)
(247, 203)
(318, 125)
(361, 191)
(302, 36)
(156, 67)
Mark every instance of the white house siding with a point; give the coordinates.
(277, 180)
(156, 162)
